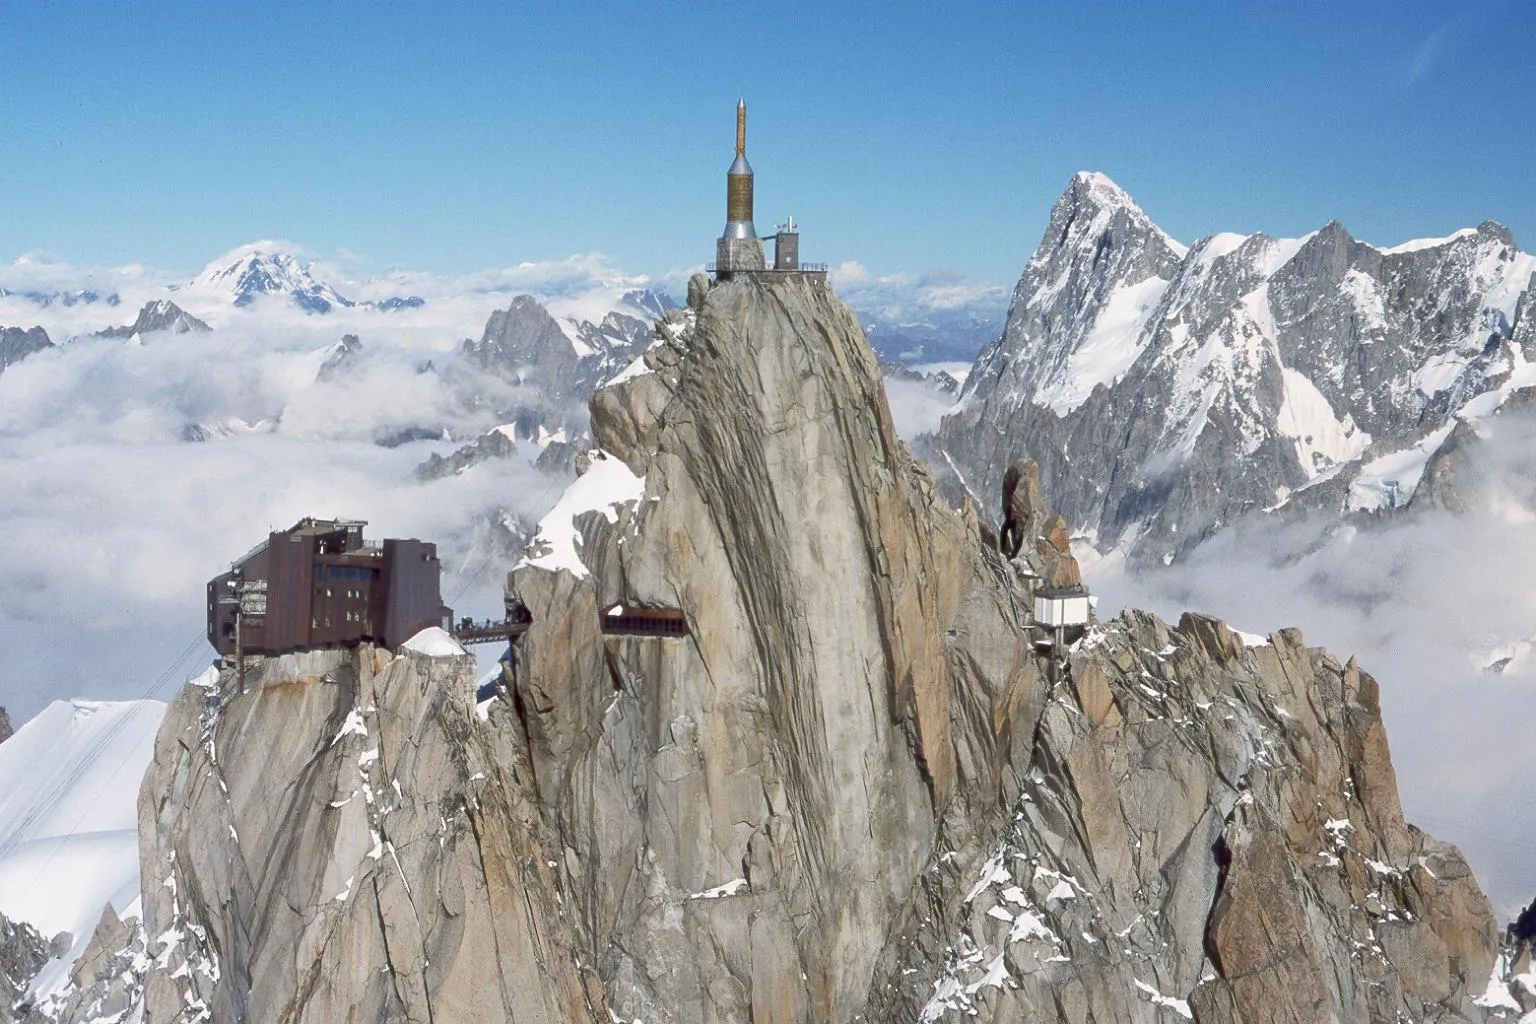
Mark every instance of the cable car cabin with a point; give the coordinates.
(320, 584)
(629, 620)
(1062, 606)
(1064, 613)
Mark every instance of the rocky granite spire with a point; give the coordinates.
(854, 790)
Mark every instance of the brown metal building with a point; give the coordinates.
(320, 584)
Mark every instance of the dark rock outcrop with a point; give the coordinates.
(494, 444)
(23, 952)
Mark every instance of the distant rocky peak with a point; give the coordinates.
(1097, 230)
(652, 303)
(16, 344)
(157, 316)
(340, 357)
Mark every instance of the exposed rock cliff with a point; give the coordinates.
(854, 790)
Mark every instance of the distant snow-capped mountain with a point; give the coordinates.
(250, 272)
(1167, 391)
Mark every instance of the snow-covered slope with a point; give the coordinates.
(1166, 391)
(69, 790)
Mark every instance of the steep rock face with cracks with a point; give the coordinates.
(852, 786)
(343, 842)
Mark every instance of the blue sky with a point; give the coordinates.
(911, 138)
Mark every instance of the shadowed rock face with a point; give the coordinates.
(5, 726)
(853, 791)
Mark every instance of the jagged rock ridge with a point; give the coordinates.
(1167, 392)
(855, 790)
(16, 344)
(568, 357)
(23, 952)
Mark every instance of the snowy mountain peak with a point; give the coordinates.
(1102, 189)
(261, 268)
(1093, 204)
(1242, 372)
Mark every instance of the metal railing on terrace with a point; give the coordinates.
(804, 268)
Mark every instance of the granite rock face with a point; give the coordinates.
(1166, 392)
(346, 842)
(857, 792)
(854, 785)
(5, 726)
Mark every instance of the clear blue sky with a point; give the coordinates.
(908, 137)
